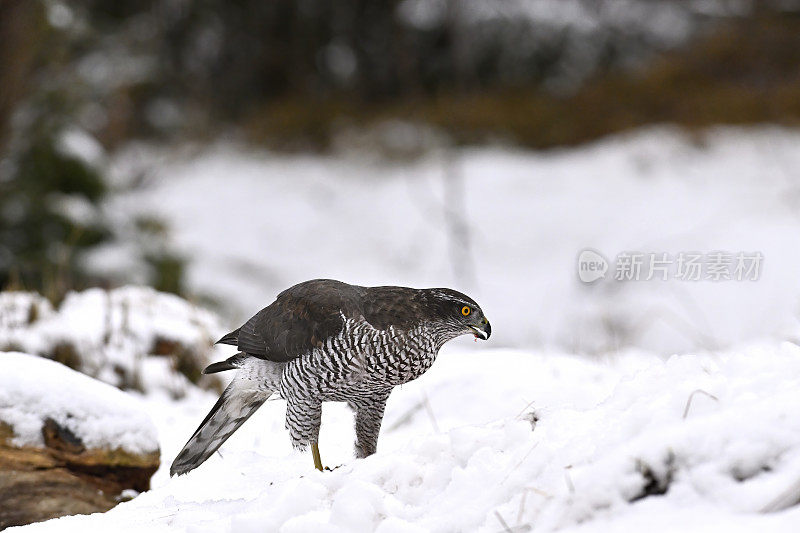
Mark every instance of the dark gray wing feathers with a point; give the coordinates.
(231, 338)
(300, 319)
(250, 339)
(306, 315)
(228, 364)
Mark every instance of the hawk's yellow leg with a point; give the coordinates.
(315, 454)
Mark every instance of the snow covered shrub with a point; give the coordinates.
(134, 338)
(20, 309)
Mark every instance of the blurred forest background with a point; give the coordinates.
(80, 80)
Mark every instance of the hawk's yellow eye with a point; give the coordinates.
(466, 310)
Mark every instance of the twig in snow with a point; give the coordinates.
(429, 410)
(540, 492)
(568, 479)
(503, 522)
(520, 462)
(425, 404)
(786, 499)
(407, 416)
(525, 492)
(524, 409)
(691, 397)
(459, 238)
(521, 506)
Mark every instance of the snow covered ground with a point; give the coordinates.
(253, 223)
(525, 432)
(491, 440)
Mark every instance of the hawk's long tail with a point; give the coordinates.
(239, 401)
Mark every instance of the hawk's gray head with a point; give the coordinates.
(459, 313)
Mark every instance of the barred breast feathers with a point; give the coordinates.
(361, 355)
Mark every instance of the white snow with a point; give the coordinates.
(114, 333)
(78, 143)
(33, 389)
(459, 448)
(525, 431)
(254, 223)
(19, 309)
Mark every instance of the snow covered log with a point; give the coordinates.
(69, 444)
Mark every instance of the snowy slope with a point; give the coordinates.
(486, 438)
(33, 389)
(253, 223)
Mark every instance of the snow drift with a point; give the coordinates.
(494, 439)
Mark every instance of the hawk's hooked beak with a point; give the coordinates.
(484, 331)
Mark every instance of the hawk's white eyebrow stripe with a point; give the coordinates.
(445, 296)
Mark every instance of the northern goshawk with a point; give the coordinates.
(324, 340)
